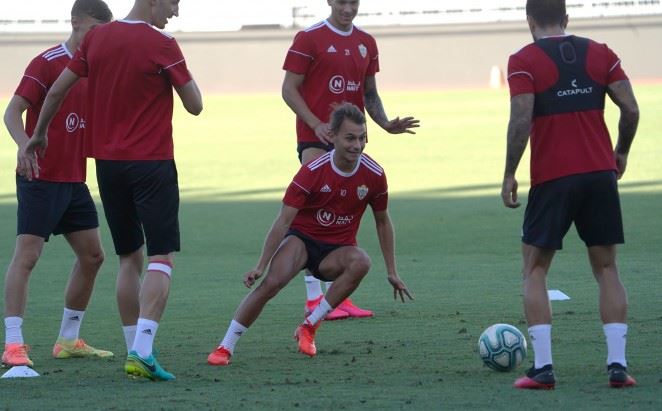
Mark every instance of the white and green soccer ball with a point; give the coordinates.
(502, 347)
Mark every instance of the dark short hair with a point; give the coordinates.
(345, 111)
(97, 9)
(546, 12)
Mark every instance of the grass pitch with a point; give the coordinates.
(457, 249)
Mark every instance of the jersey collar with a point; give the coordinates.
(339, 171)
(339, 32)
(66, 50)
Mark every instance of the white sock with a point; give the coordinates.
(145, 333)
(319, 312)
(235, 331)
(313, 286)
(13, 333)
(129, 335)
(541, 339)
(71, 321)
(616, 336)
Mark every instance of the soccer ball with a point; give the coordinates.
(502, 347)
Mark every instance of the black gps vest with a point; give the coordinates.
(574, 90)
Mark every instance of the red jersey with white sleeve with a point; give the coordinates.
(332, 202)
(334, 64)
(131, 68)
(64, 161)
(569, 76)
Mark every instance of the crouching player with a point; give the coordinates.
(316, 229)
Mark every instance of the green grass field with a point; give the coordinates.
(457, 248)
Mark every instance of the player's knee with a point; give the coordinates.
(93, 260)
(359, 264)
(26, 260)
(270, 286)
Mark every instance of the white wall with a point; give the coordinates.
(229, 15)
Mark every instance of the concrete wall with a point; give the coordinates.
(430, 57)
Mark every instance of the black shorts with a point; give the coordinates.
(46, 208)
(316, 252)
(589, 200)
(141, 203)
(319, 144)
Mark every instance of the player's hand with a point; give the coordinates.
(399, 288)
(323, 132)
(402, 125)
(621, 163)
(251, 277)
(27, 164)
(509, 192)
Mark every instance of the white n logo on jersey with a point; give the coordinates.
(325, 218)
(72, 122)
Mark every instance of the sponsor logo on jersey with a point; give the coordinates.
(347, 52)
(326, 189)
(576, 90)
(337, 84)
(344, 220)
(353, 85)
(362, 191)
(363, 50)
(331, 49)
(72, 122)
(325, 218)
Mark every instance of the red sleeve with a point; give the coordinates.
(379, 202)
(172, 62)
(616, 72)
(300, 55)
(520, 76)
(299, 189)
(373, 67)
(35, 82)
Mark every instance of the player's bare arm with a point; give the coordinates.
(14, 122)
(386, 235)
(39, 141)
(375, 108)
(622, 95)
(521, 115)
(271, 243)
(191, 97)
(294, 100)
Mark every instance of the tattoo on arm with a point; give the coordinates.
(621, 93)
(519, 126)
(373, 103)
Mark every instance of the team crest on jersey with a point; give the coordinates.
(363, 50)
(362, 191)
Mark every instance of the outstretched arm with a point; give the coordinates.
(293, 98)
(386, 236)
(519, 127)
(622, 95)
(375, 108)
(191, 97)
(39, 141)
(271, 243)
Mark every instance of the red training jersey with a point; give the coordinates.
(332, 202)
(64, 161)
(335, 65)
(131, 68)
(569, 76)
